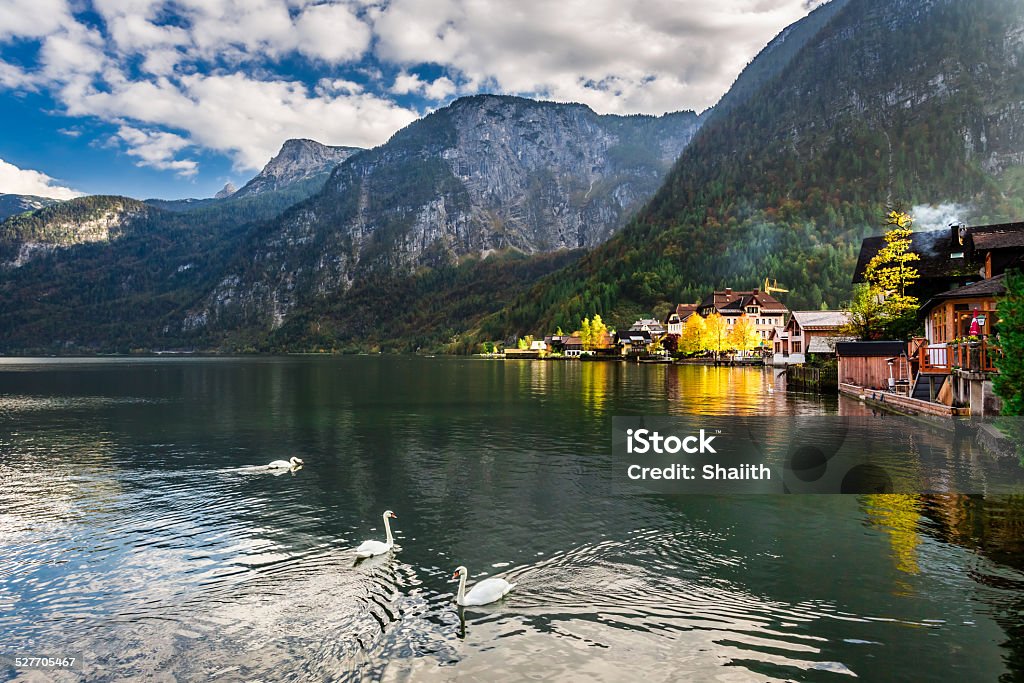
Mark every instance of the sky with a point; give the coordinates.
(175, 98)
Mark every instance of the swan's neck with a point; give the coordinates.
(387, 528)
(461, 597)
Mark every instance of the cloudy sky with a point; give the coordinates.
(173, 98)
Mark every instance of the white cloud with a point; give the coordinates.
(212, 73)
(157, 149)
(32, 18)
(14, 180)
(617, 56)
(439, 89)
(244, 117)
(332, 33)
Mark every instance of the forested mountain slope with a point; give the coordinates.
(891, 102)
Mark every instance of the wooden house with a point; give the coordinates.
(808, 334)
(872, 364)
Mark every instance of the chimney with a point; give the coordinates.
(728, 291)
(957, 235)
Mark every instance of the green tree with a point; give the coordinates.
(1009, 383)
(866, 315)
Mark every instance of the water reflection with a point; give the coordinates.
(136, 536)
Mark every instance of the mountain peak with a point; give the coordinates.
(228, 190)
(298, 159)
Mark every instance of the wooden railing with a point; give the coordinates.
(971, 356)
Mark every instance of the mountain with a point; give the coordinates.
(776, 55)
(888, 103)
(65, 224)
(485, 174)
(13, 204)
(299, 160)
(226, 191)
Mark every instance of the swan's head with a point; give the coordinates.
(459, 571)
(296, 461)
(388, 514)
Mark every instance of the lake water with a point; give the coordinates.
(132, 535)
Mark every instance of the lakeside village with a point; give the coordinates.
(920, 336)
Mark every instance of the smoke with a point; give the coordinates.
(937, 216)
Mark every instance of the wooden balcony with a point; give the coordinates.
(970, 356)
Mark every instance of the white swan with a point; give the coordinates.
(485, 592)
(371, 548)
(285, 464)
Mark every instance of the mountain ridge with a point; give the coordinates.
(485, 173)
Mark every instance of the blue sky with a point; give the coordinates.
(157, 98)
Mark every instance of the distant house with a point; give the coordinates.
(555, 342)
(676, 319)
(573, 347)
(538, 345)
(808, 333)
(654, 327)
(633, 342)
(763, 310)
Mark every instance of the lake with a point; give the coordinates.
(134, 537)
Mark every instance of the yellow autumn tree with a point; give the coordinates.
(890, 272)
(586, 334)
(692, 339)
(743, 336)
(598, 330)
(716, 333)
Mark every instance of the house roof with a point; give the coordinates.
(1003, 236)
(737, 301)
(810, 320)
(991, 287)
(779, 333)
(885, 349)
(653, 325)
(827, 344)
(935, 248)
(633, 335)
(684, 311)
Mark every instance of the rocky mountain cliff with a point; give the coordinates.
(298, 160)
(484, 174)
(66, 224)
(888, 103)
(13, 204)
